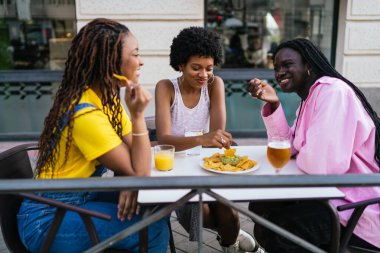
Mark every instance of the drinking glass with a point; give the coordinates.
(196, 150)
(164, 157)
(278, 152)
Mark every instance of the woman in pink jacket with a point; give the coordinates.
(336, 132)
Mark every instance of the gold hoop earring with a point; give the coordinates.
(308, 72)
(212, 79)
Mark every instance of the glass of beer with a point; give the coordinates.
(278, 152)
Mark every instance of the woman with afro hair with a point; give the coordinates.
(196, 101)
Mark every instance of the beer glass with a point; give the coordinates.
(278, 152)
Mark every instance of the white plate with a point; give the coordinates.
(254, 168)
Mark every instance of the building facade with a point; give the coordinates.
(347, 31)
(156, 22)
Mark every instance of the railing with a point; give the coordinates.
(28, 94)
(199, 185)
(25, 100)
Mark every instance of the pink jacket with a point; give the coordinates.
(334, 135)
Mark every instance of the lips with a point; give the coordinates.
(283, 82)
(201, 81)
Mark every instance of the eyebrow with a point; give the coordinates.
(197, 64)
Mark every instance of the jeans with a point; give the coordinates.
(34, 219)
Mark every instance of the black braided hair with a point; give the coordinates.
(320, 66)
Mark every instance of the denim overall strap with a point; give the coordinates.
(64, 120)
(78, 107)
(99, 171)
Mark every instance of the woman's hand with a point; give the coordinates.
(263, 91)
(218, 138)
(136, 98)
(127, 206)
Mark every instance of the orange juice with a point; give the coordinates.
(164, 160)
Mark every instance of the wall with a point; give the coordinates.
(154, 23)
(358, 52)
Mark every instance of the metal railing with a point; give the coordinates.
(200, 186)
(34, 89)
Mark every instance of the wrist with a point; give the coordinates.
(274, 105)
(137, 116)
(140, 134)
(198, 140)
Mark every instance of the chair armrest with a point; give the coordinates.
(65, 206)
(358, 204)
(359, 208)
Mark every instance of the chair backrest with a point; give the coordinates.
(14, 164)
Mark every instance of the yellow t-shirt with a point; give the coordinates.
(92, 137)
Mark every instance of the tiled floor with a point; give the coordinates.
(210, 244)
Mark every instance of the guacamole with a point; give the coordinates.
(232, 160)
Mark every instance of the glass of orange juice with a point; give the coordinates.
(278, 152)
(164, 157)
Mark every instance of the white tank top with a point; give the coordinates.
(189, 119)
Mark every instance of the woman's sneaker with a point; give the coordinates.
(247, 243)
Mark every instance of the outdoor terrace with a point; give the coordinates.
(180, 235)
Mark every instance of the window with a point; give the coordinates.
(35, 34)
(251, 29)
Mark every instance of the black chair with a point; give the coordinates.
(15, 164)
(340, 243)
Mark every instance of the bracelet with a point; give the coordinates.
(140, 134)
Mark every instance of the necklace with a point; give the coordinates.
(299, 113)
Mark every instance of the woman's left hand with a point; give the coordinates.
(127, 206)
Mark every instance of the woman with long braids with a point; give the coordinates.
(87, 130)
(336, 132)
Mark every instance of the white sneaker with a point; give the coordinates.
(234, 248)
(246, 241)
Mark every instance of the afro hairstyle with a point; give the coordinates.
(195, 41)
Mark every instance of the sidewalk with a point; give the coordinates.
(180, 235)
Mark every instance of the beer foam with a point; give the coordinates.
(279, 144)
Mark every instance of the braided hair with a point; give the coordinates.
(95, 54)
(319, 64)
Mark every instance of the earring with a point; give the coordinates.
(308, 72)
(181, 79)
(212, 79)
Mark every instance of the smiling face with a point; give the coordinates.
(290, 71)
(197, 71)
(131, 60)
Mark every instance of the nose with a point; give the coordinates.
(141, 62)
(280, 73)
(203, 73)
